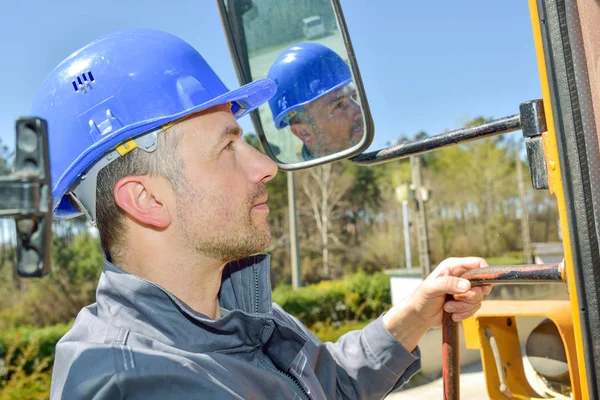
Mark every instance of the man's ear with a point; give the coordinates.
(302, 133)
(141, 199)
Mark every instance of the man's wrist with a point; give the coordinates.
(405, 324)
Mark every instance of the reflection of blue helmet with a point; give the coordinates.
(117, 88)
(303, 73)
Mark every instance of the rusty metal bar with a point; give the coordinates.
(515, 274)
(533, 273)
(450, 356)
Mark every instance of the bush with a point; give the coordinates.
(27, 355)
(359, 297)
(331, 333)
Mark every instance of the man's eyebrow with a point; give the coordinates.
(343, 93)
(226, 134)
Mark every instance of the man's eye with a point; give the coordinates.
(229, 146)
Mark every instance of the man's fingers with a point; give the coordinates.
(487, 289)
(461, 316)
(473, 296)
(458, 266)
(465, 264)
(459, 307)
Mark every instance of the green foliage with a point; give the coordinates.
(359, 297)
(28, 354)
(328, 332)
(79, 259)
(76, 265)
(508, 259)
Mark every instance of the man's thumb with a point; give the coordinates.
(449, 285)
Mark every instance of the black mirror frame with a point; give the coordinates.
(237, 50)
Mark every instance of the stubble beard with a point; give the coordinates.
(226, 234)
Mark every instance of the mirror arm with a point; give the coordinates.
(446, 139)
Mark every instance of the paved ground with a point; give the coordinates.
(472, 386)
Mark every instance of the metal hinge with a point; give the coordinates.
(533, 124)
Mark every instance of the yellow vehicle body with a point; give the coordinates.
(499, 316)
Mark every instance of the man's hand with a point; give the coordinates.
(423, 309)
(429, 298)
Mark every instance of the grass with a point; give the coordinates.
(509, 259)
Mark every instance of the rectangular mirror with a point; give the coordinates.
(320, 112)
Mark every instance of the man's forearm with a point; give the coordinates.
(405, 325)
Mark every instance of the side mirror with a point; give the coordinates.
(319, 113)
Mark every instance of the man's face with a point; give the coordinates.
(331, 123)
(221, 209)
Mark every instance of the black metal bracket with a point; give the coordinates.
(26, 196)
(446, 139)
(533, 121)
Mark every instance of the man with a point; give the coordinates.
(317, 99)
(144, 141)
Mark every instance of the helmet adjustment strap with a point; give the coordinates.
(83, 192)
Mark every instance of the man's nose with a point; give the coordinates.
(356, 110)
(262, 168)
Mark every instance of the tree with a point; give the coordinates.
(364, 198)
(324, 187)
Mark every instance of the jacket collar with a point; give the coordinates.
(148, 310)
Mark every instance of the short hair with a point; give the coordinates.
(165, 161)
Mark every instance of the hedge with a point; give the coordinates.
(359, 297)
(26, 356)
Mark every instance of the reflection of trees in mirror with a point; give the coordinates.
(274, 24)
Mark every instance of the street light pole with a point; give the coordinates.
(421, 218)
(293, 223)
(406, 222)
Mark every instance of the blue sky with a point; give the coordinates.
(428, 66)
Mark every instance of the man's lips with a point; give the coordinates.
(261, 207)
(261, 204)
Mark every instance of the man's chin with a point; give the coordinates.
(246, 251)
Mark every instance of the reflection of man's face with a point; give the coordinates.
(331, 123)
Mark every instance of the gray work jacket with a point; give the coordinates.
(138, 341)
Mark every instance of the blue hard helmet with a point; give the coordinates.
(303, 73)
(117, 88)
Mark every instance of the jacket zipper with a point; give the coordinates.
(300, 389)
(291, 377)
